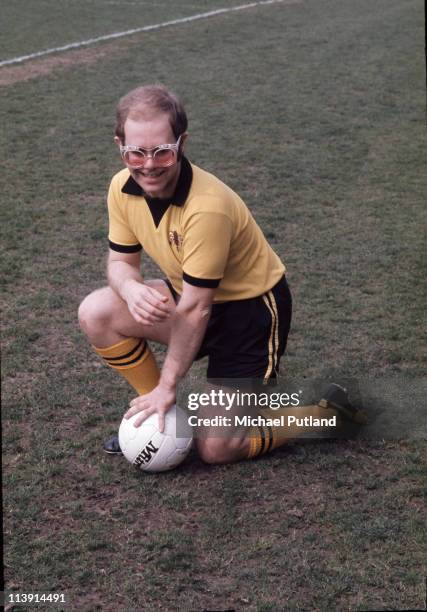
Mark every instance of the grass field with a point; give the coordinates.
(314, 111)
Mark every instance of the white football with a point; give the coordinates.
(152, 451)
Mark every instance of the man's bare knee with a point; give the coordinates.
(221, 450)
(105, 318)
(96, 311)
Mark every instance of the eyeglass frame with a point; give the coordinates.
(148, 152)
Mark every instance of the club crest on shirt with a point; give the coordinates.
(175, 239)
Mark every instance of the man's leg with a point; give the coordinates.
(222, 446)
(105, 318)
(223, 443)
(121, 341)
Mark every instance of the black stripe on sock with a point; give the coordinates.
(127, 363)
(270, 444)
(136, 347)
(262, 434)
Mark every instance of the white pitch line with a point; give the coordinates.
(156, 26)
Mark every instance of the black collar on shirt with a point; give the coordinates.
(158, 206)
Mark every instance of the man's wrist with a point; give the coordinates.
(168, 383)
(124, 287)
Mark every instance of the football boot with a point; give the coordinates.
(112, 446)
(337, 397)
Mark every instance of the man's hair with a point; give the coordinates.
(143, 102)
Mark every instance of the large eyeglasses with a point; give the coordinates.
(163, 155)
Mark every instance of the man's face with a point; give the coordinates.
(156, 181)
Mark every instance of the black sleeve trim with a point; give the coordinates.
(122, 248)
(209, 283)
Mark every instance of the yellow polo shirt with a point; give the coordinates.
(204, 234)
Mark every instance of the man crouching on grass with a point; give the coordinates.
(224, 295)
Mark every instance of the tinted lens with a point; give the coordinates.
(134, 159)
(164, 157)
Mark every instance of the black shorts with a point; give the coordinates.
(246, 338)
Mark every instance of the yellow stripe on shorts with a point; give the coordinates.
(273, 341)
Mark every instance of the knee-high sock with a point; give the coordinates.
(265, 438)
(134, 360)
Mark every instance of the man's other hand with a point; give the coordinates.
(159, 400)
(146, 305)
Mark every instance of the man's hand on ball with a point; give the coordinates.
(146, 305)
(159, 400)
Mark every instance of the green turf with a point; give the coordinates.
(28, 26)
(314, 113)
